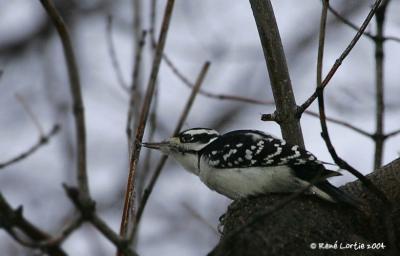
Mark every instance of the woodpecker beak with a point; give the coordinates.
(163, 146)
(155, 145)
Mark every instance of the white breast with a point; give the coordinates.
(242, 182)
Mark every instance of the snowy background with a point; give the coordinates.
(222, 32)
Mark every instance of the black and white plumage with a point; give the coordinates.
(243, 163)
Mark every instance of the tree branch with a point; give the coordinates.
(278, 71)
(161, 163)
(42, 141)
(356, 28)
(379, 137)
(113, 54)
(75, 88)
(127, 215)
(339, 61)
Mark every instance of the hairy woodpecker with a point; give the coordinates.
(243, 163)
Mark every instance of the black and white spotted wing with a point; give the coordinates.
(249, 148)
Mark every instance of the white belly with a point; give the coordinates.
(236, 183)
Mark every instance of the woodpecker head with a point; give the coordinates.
(185, 146)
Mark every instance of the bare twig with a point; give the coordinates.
(321, 41)
(339, 61)
(387, 209)
(142, 176)
(42, 141)
(356, 28)
(127, 215)
(75, 88)
(278, 71)
(113, 54)
(390, 134)
(134, 101)
(30, 113)
(340, 122)
(161, 163)
(264, 117)
(379, 137)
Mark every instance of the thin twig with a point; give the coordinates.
(142, 176)
(321, 41)
(134, 101)
(127, 215)
(339, 61)
(75, 88)
(379, 137)
(390, 134)
(340, 122)
(30, 113)
(113, 55)
(356, 28)
(161, 163)
(42, 141)
(387, 209)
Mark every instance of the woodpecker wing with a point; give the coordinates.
(250, 148)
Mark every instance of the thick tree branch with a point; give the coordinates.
(278, 71)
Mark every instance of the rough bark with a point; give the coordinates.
(305, 220)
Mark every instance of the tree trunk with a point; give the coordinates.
(292, 229)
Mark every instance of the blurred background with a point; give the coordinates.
(182, 214)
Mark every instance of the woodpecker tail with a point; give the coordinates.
(336, 195)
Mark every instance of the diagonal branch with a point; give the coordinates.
(164, 158)
(356, 28)
(127, 215)
(339, 61)
(42, 141)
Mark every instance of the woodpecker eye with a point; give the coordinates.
(184, 138)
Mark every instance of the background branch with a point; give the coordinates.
(42, 141)
(75, 88)
(339, 61)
